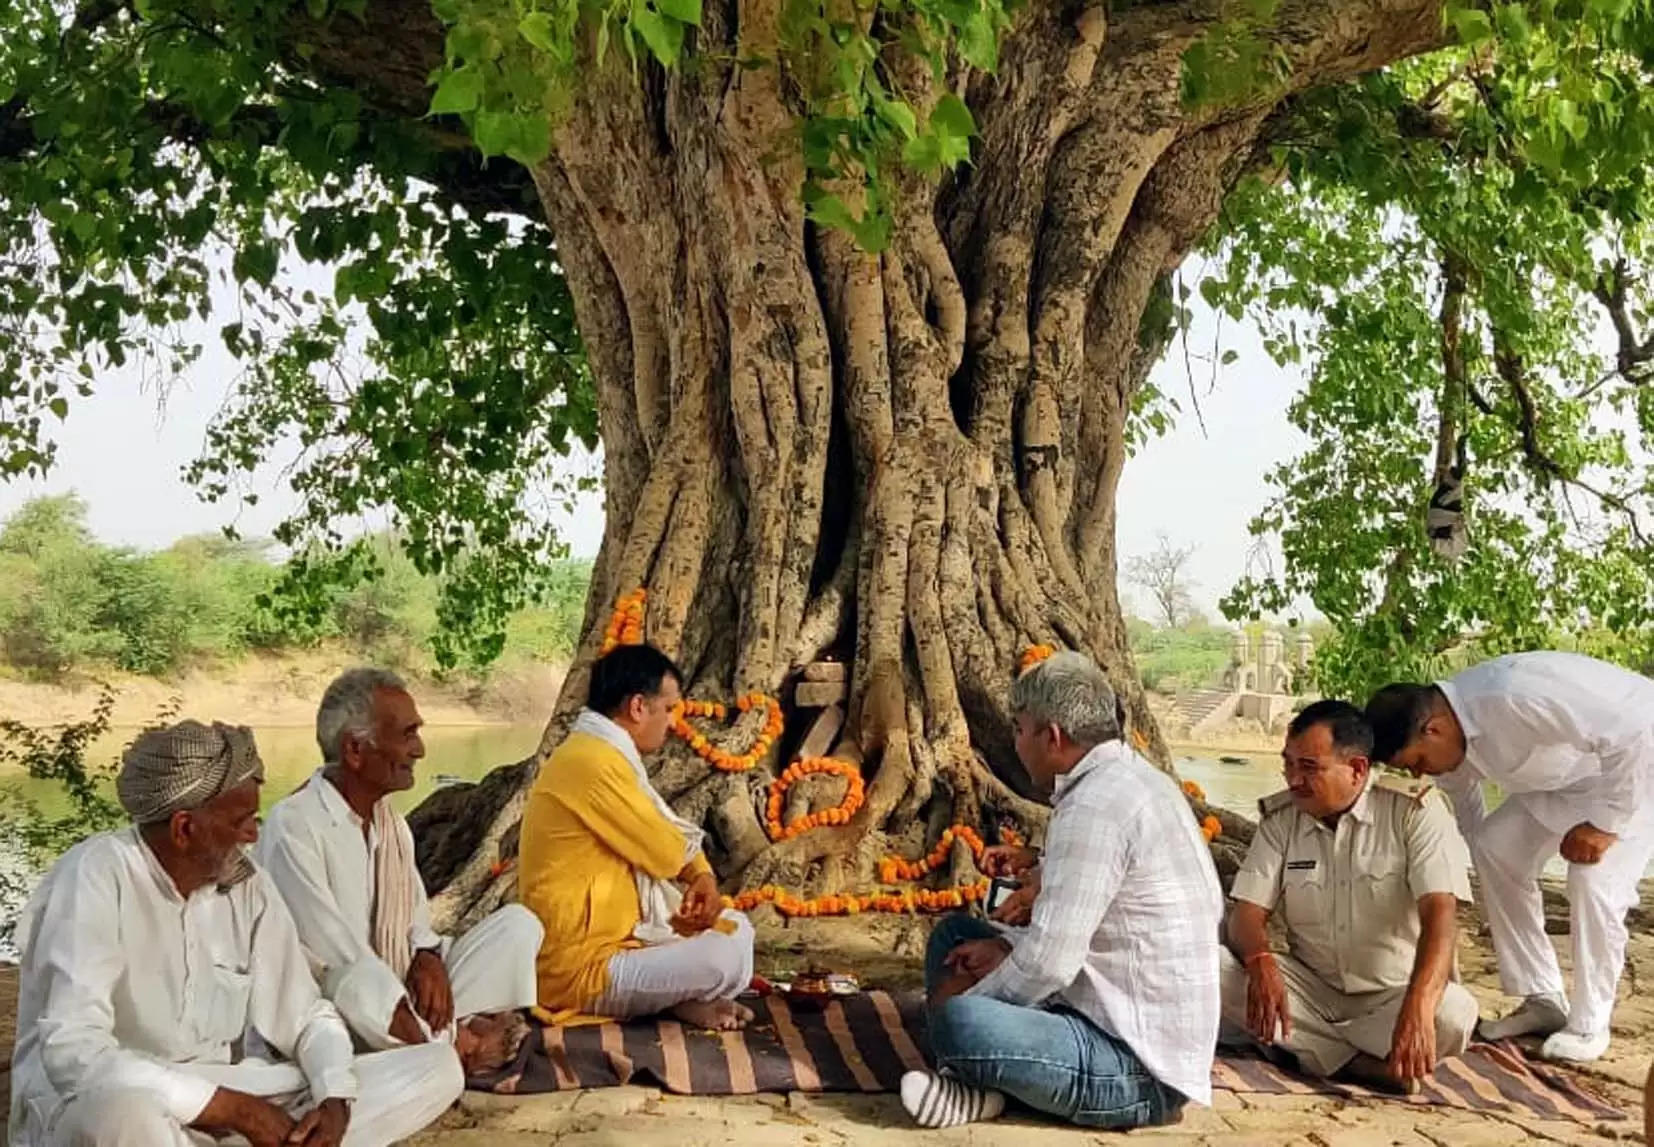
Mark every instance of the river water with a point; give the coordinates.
(452, 752)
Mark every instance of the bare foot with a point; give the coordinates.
(714, 1015)
(487, 1043)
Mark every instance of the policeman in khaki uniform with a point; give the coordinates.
(1367, 876)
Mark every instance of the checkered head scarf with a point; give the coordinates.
(182, 767)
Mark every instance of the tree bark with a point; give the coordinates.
(906, 461)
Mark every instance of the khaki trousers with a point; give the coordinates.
(1330, 1026)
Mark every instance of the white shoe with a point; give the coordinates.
(1537, 1015)
(937, 1101)
(1575, 1048)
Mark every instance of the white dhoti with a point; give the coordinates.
(1510, 847)
(490, 969)
(712, 966)
(1329, 1026)
(400, 1093)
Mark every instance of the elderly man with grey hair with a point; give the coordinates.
(165, 1001)
(344, 861)
(1104, 1010)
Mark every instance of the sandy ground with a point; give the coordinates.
(276, 691)
(885, 951)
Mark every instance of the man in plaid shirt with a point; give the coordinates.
(1104, 1009)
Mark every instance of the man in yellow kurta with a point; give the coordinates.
(633, 918)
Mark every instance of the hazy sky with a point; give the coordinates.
(123, 451)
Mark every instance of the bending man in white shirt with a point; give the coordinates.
(1570, 741)
(1104, 1011)
(160, 969)
(344, 861)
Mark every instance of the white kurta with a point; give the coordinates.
(1569, 740)
(316, 851)
(136, 1004)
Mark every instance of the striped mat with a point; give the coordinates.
(866, 1042)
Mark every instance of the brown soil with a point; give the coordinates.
(276, 691)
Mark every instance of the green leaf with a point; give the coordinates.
(1514, 25)
(871, 231)
(664, 37)
(979, 42)
(952, 117)
(460, 91)
(683, 11)
(59, 407)
(1471, 25)
(828, 210)
(899, 116)
(495, 132)
(538, 30)
(1570, 119)
(924, 154)
(532, 141)
(256, 263)
(1229, 357)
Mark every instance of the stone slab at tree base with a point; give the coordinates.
(823, 732)
(819, 694)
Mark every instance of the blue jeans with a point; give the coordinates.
(1050, 1059)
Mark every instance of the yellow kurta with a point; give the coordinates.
(587, 828)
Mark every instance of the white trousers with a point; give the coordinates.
(1330, 1026)
(490, 969)
(400, 1093)
(1509, 848)
(711, 966)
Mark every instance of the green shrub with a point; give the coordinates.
(68, 602)
(1192, 656)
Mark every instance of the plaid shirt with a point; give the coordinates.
(1125, 927)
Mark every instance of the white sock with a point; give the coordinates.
(937, 1101)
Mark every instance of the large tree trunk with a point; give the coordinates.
(905, 461)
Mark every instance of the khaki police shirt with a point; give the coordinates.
(1349, 894)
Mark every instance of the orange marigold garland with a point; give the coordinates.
(854, 796)
(894, 868)
(712, 754)
(1210, 827)
(1033, 655)
(891, 868)
(626, 623)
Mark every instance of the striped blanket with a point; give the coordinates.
(865, 1043)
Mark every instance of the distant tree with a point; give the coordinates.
(1163, 574)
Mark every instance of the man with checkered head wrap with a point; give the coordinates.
(165, 1001)
(180, 769)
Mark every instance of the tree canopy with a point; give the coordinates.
(1466, 278)
(1444, 244)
